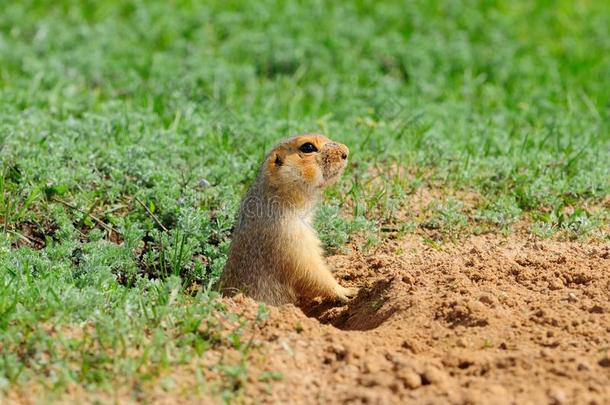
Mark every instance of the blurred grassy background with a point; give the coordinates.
(129, 131)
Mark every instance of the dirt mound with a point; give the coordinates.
(492, 319)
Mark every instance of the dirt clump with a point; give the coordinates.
(491, 319)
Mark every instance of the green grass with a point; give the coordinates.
(129, 131)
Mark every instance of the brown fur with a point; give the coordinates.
(275, 255)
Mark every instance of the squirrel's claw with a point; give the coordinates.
(347, 294)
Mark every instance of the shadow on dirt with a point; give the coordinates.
(366, 311)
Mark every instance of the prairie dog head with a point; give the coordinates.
(297, 168)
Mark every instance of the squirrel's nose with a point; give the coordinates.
(339, 148)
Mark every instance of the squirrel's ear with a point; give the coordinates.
(277, 159)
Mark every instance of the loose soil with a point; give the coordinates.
(489, 320)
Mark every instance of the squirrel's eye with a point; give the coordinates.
(308, 147)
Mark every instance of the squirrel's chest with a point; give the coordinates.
(299, 231)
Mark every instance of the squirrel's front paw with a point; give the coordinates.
(351, 292)
(346, 294)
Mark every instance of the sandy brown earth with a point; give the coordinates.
(489, 320)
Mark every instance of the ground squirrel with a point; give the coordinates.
(275, 255)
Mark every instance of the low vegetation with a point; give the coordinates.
(129, 131)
